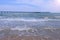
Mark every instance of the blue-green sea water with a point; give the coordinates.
(43, 24)
(30, 19)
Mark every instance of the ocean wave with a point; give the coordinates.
(22, 19)
(20, 29)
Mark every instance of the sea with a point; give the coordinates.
(29, 19)
(42, 24)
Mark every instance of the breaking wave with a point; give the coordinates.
(22, 19)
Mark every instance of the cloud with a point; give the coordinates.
(33, 5)
(26, 8)
(44, 5)
(54, 6)
(34, 2)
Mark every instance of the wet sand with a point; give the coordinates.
(25, 38)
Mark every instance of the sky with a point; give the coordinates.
(30, 5)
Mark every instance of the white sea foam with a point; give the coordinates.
(20, 29)
(22, 19)
(32, 20)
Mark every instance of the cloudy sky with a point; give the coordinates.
(30, 5)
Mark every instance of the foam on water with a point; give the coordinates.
(32, 20)
(20, 29)
(21, 19)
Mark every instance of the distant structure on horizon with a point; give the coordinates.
(44, 15)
